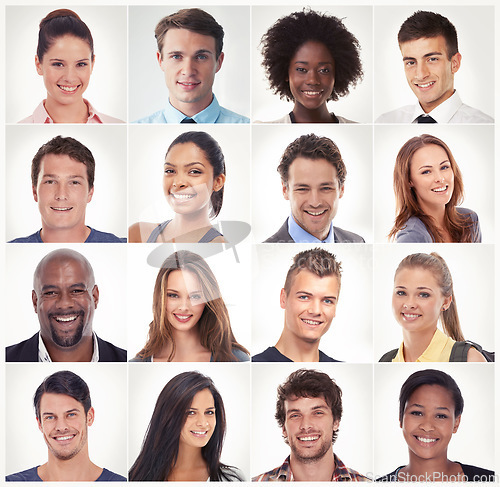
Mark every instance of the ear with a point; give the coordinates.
(92, 65)
(34, 300)
(285, 190)
(219, 62)
(159, 59)
(90, 417)
(38, 66)
(95, 295)
(457, 423)
(219, 182)
(456, 60)
(447, 303)
(336, 425)
(39, 425)
(91, 193)
(285, 434)
(341, 192)
(35, 193)
(283, 299)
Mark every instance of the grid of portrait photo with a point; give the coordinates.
(299, 285)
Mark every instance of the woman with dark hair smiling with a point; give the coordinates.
(310, 58)
(428, 186)
(185, 436)
(193, 182)
(430, 410)
(65, 58)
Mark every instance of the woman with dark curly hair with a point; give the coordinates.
(310, 58)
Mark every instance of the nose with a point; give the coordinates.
(70, 73)
(179, 182)
(201, 420)
(61, 424)
(409, 303)
(438, 177)
(64, 300)
(305, 423)
(314, 307)
(426, 424)
(61, 192)
(314, 198)
(312, 77)
(422, 71)
(188, 67)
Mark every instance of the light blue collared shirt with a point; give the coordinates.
(299, 235)
(214, 113)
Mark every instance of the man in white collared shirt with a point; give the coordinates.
(429, 45)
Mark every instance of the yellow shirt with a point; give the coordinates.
(439, 349)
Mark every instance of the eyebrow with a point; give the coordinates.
(199, 51)
(307, 62)
(429, 165)
(189, 164)
(48, 413)
(419, 287)
(207, 409)
(63, 60)
(307, 293)
(429, 54)
(175, 290)
(46, 287)
(416, 405)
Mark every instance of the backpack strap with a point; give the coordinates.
(387, 357)
(460, 350)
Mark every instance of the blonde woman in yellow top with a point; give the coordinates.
(423, 296)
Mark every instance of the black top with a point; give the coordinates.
(31, 475)
(272, 354)
(472, 474)
(27, 351)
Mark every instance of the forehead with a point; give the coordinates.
(305, 403)
(423, 46)
(305, 280)
(187, 41)
(63, 271)
(313, 50)
(311, 170)
(416, 277)
(186, 153)
(62, 164)
(203, 399)
(51, 403)
(70, 46)
(183, 280)
(429, 153)
(432, 396)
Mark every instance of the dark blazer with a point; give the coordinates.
(27, 351)
(341, 236)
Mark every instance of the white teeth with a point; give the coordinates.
(68, 88)
(312, 93)
(182, 196)
(411, 316)
(311, 322)
(183, 317)
(63, 438)
(426, 85)
(199, 432)
(315, 213)
(426, 440)
(309, 438)
(66, 319)
(440, 190)
(61, 209)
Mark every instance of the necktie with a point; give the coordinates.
(187, 120)
(425, 119)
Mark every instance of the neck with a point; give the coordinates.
(78, 468)
(82, 352)
(78, 234)
(428, 107)
(436, 469)
(317, 115)
(319, 470)
(297, 350)
(188, 347)
(77, 112)
(415, 343)
(191, 109)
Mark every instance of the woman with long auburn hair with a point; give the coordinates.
(185, 436)
(423, 296)
(428, 187)
(190, 320)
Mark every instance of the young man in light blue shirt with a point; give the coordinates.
(190, 54)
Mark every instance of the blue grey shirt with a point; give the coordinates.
(95, 236)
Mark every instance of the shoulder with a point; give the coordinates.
(103, 237)
(343, 119)
(25, 351)
(110, 353)
(139, 359)
(281, 236)
(477, 474)
(323, 357)
(25, 476)
(414, 231)
(400, 115)
(283, 119)
(227, 116)
(468, 114)
(108, 119)
(390, 477)
(33, 238)
(466, 212)
(344, 236)
(108, 476)
(388, 356)
(240, 355)
(140, 231)
(232, 474)
(157, 117)
(271, 354)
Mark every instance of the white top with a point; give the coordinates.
(451, 110)
(287, 119)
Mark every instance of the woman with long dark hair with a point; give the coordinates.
(193, 182)
(186, 433)
(429, 189)
(190, 320)
(65, 58)
(430, 410)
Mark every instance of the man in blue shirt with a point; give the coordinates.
(190, 54)
(62, 178)
(64, 413)
(312, 174)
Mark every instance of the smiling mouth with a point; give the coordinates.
(182, 318)
(426, 440)
(425, 85)
(442, 189)
(68, 89)
(312, 93)
(309, 438)
(410, 316)
(65, 208)
(66, 318)
(315, 213)
(183, 196)
(64, 438)
(200, 434)
(311, 322)
(189, 84)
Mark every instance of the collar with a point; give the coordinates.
(438, 348)
(43, 355)
(443, 112)
(40, 115)
(208, 115)
(299, 235)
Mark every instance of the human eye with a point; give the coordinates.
(424, 295)
(75, 182)
(82, 64)
(300, 69)
(445, 167)
(425, 171)
(327, 188)
(77, 291)
(409, 63)
(172, 295)
(49, 181)
(176, 57)
(196, 297)
(210, 412)
(169, 171)
(329, 301)
(49, 294)
(201, 57)
(416, 413)
(400, 293)
(433, 59)
(303, 297)
(442, 416)
(324, 70)
(196, 172)
(49, 417)
(56, 64)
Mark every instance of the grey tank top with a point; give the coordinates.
(208, 237)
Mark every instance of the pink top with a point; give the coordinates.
(40, 115)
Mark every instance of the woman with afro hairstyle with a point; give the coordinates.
(311, 58)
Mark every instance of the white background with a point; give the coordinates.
(269, 207)
(107, 437)
(350, 335)
(108, 144)
(148, 92)
(108, 84)
(356, 105)
(474, 81)
(146, 381)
